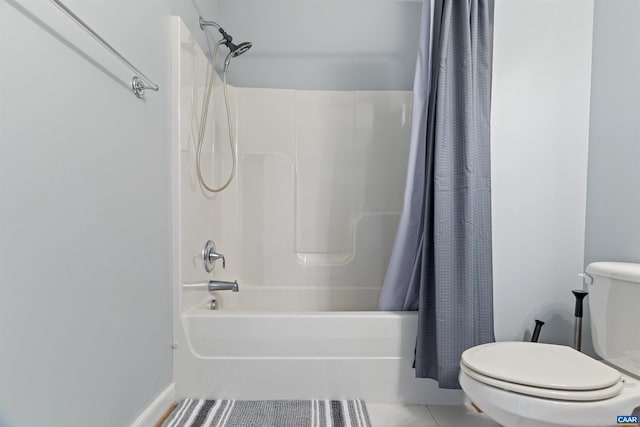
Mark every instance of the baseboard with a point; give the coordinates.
(158, 407)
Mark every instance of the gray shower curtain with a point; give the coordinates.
(441, 263)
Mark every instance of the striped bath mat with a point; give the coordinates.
(268, 413)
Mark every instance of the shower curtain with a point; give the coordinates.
(441, 264)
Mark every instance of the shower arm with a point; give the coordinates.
(217, 26)
(204, 23)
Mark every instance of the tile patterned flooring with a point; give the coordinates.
(389, 415)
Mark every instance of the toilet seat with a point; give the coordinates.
(541, 370)
(547, 393)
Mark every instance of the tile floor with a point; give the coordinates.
(388, 415)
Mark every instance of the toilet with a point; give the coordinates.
(524, 384)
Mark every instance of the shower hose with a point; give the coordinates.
(203, 126)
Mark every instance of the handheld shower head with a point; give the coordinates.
(235, 50)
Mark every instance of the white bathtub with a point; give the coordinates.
(272, 353)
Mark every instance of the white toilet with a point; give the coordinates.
(523, 384)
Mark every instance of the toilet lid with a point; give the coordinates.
(540, 365)
(547, 393)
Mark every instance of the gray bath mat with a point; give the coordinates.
(268, 413)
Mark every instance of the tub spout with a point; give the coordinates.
(221, 285)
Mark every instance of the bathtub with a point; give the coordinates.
(319, 351)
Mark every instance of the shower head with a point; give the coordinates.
(235, 50)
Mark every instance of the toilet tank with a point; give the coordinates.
(614, 304)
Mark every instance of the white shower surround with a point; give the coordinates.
(304, 324)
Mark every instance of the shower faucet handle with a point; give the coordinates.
(210, 255)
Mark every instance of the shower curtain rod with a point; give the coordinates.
(138, 85)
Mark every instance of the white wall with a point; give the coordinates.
(613, 202)
(324, 45)
(540, 119)
(85, 214)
